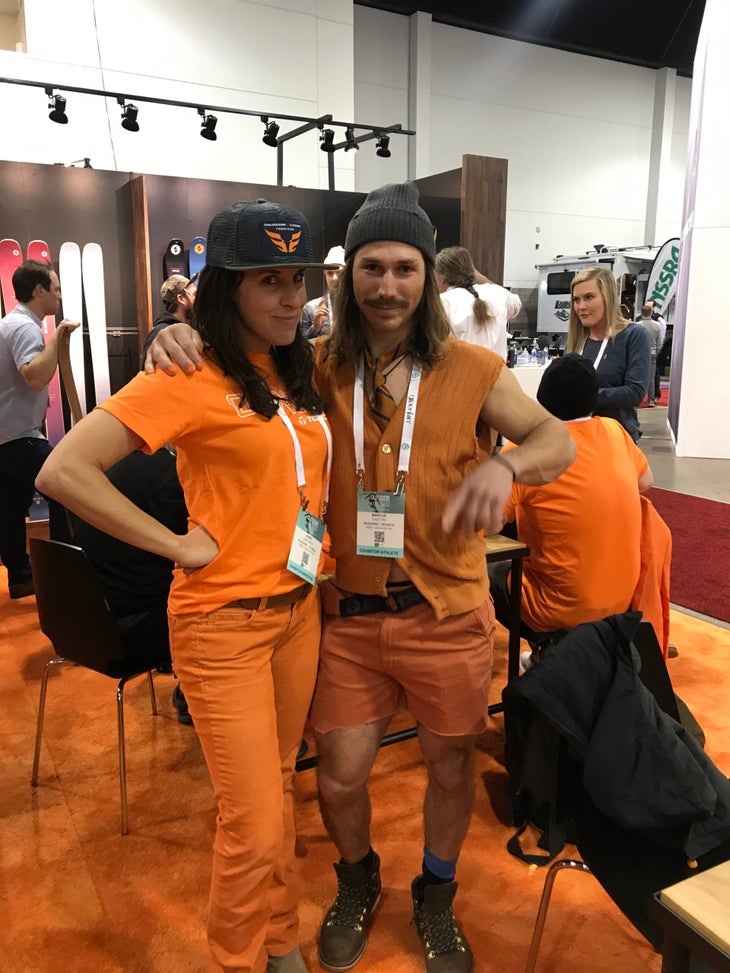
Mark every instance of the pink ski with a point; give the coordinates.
(11, 257)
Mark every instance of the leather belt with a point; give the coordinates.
(272, 601)
(396, 601)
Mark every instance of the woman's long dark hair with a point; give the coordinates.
(218, 321)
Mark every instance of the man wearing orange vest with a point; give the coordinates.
(408, 613)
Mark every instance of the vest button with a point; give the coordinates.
(387, 449)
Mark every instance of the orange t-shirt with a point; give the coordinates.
(238, 474)
(583, 530)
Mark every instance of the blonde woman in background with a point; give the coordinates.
(618, 348)
(478, 312)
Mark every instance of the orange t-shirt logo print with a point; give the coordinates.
(280, 243)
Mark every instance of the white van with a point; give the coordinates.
(630, 266)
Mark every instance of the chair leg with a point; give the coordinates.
(41, 715)
(121, 744)
(153, 698)
(557, 866)
(122, 754)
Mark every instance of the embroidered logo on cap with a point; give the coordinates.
(284, 236)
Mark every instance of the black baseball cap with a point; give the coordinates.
(257, 233)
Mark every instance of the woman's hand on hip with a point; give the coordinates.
(197, 548)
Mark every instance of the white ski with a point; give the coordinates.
(69, 272)
(92, 266)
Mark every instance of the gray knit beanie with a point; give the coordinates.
(392, 213)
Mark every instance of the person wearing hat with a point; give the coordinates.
(408, 614)
(178, 297)
(317, 318)
(253, 453)
(584, 528)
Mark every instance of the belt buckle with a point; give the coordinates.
(392, 604)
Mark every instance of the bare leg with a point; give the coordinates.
(449, 798)
(346, 757)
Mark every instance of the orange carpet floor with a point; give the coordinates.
(77, 897)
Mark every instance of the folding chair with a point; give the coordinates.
(74, 615)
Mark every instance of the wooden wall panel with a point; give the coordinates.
(484, 213)
(141, 243)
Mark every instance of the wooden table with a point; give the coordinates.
(499, 548)
(695, 917)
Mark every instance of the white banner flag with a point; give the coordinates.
(663, 276)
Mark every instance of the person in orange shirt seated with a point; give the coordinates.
(253, 454)
(583, 528)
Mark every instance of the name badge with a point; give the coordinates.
(306, 546)
(380, 523)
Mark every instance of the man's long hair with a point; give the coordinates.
(430, 328)
(456, 267)
(218, 320)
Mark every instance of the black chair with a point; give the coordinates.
(628, 865)
(74, 615)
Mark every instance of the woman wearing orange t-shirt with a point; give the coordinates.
(253, 455)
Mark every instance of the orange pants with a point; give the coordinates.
(248, 678)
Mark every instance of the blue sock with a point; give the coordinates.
(438, 871)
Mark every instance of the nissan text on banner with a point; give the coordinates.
(663, 276)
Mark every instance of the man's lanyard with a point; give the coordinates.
(601, 350)
(358, 414)
(299, 459)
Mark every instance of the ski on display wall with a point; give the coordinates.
(39, 250)
(175, 261)
(92, 264)
(197, 255)
(82, 284)
(11, 257)
(69, 267)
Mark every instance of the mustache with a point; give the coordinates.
(381, 302)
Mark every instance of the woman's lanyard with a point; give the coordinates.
(381, 516)
(601, 350)
(306, 545)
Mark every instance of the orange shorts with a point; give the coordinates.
(372, 664)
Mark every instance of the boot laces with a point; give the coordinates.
(351, 906)
(441, 933)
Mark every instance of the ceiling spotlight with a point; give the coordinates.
(207, 126)
(382, 143)
(129, 116)
(57, 104)
(327, 138)
(270, 133)
(350, 142)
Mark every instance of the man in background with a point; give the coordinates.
(656, 316)
(27, 365)
(136, 583)
(584, 528)
(178, 296)
(653, 329)
(317, 316)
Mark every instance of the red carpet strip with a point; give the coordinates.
(700, 529)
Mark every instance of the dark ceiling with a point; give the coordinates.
(650, 33)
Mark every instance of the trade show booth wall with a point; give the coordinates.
(133, 217)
